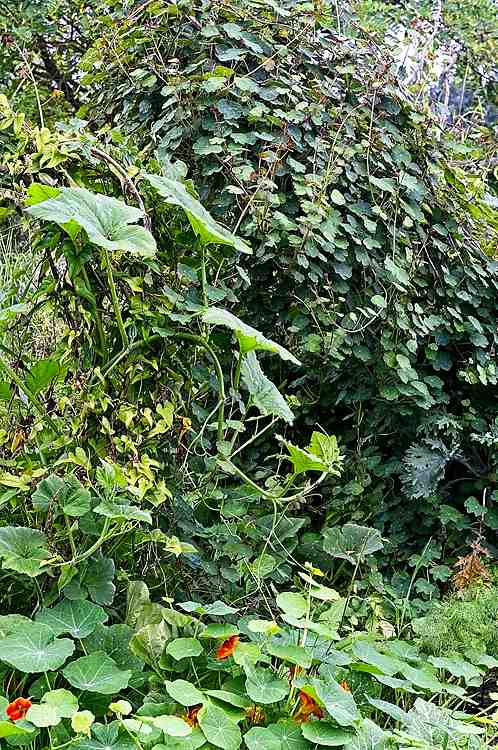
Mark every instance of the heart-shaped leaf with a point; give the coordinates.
(265, 394)
(33, 648)
(78, 618)
(352, 542)
(23, 549)
(97, 673)
(106, 220)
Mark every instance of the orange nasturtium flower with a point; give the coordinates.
(18, 709)
(191, 716)
(308, 708)
(345, 686)
(227, 647)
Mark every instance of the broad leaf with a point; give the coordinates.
(43, 716)
(47, 492)
(290, 736)
(352, 542)
(292, 603)
(218, 728)
(249, 338)
(41, 375)
(9, 729)
(261, 738)
(181, 648)
(321, 455)
(292, 654)
(338, 702)
(63, 701)
(203, 224)
(122, 511)
(367, 653)
(108, 737)
(115, 642)
(264, 394)
(23, 549)
(327, 734)
(78, 618)
(184, 692)
(263, 686)
(33, 648)
(97, 673)
(172, 726)
(106, 220)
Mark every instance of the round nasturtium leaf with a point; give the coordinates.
(97, 673)
(64, 702)
(43, 716)
(326, 733)
(184, 692)
(35, 649)
(292, 603)
(182, 648)
(261, 738)
(218, 728)
(78, 618)
(263, 686)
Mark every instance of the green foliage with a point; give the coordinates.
(464, 624)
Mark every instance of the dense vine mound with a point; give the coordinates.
(301, 140)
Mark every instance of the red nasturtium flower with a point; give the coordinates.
(191, 716)
(227, 647)
(308, 708)
(18, 709)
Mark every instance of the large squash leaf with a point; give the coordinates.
(265, 394)
(201, 221)
(108, 222)
(23, 549)
(249, 338)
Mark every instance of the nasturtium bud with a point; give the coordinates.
(82, 721)
(122, 708)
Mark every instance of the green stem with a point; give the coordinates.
(115, 301)
(89, 552)
(205, 298)
(98, 319)
(71, 537)
(199, 341)
(236, 378)
(37, 405)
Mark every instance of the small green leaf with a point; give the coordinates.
(172, 726)
(63, 701)
(293, 654)
(292, 603)
(352, 542)
(23, 549)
